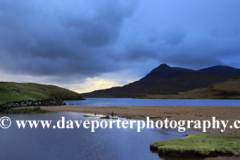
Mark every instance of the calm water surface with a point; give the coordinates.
(152, 102)
(62, 144)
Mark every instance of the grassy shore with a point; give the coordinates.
(199, 145)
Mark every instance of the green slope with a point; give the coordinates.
(11, 91)
(229, 89)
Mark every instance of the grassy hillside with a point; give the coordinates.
(229, 89)
(10, 91)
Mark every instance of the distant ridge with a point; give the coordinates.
(221, 69)
(166, 80)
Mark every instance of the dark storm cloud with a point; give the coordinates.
(174, 37)
(136, 52)
(103, 27)
(78, 39)
(59, 42)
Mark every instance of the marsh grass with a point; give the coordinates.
(199, 145)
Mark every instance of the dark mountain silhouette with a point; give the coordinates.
(165, 80)
(221, 69)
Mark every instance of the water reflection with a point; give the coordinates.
(104, 144)
(106, 102)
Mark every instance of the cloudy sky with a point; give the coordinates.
(86, 45)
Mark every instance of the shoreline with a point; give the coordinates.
(161, 112)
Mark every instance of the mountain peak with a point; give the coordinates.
(163, 66)
(165, 80)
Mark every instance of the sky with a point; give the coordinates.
(85, 45)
